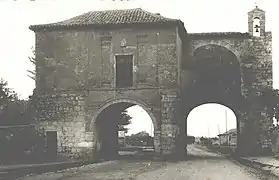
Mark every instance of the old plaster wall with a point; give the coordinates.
(74, 58)
(75, 78)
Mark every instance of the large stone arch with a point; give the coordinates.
(235, 57)
(98, 138)
(224, 45)
(131, 101)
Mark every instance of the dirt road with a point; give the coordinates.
(202, 165)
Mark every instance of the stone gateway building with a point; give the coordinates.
(91, 67)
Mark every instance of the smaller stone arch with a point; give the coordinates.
(231, 106)
(111, 102)
(228, 105)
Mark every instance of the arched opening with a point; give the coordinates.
(256, 27)
(124, 129)
(214, 126)
(217, 72)
(217, 79)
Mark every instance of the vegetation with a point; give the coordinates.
(140, 139)
(13, 111)
(32, 73)
(190, 139)
(270, 100)
(20, 142)
(124, 120)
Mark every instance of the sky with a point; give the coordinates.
(17, 40)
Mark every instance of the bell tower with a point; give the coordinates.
(256, 22)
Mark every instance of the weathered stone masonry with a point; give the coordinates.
(76, 76)
(82, 61)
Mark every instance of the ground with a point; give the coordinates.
(201, 165)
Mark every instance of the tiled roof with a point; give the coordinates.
(110, 17)
(232, 131)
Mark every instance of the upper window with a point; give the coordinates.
(124, 71)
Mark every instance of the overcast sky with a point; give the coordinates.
(197, 15)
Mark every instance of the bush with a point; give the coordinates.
(21, 144)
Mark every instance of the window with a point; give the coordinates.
(124, 71)
(105, 41)
(256, 27)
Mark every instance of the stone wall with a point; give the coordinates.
(170, 122)
(275, 141)
(85, 59)
(62, 112)
(254, 55)
(76, 80)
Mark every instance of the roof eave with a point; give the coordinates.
(50, 27)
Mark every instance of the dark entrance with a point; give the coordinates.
(51, 143)
(124, 71)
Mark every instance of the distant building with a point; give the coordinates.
(197, 140)
(215, 141)
(228, 138)
(121, 138)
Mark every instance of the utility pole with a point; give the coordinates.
(219, 133)
(226, 118)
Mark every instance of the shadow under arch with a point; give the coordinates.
(222, 50)
(104, 124)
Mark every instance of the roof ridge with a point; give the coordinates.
(97, 11)
(110, 17)
(113, 10)
(154, 14)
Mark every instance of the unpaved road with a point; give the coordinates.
(202, 165)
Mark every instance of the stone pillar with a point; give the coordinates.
(96, 147)
(169, 123)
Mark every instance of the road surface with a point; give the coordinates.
(201, 165)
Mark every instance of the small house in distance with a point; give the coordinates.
(228, 138)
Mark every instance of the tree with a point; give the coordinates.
(13, 111)
(124, 120)
(32, 73)
(7, 95)
(270, 101)
(140, 137)
(140, 134)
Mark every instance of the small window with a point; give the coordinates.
(124, 71)
(105, 41)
